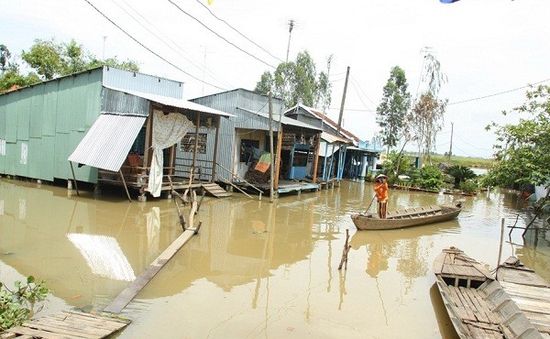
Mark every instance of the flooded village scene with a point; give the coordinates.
(247, 169)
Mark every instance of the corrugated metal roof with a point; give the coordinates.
(173, 102)
(108, 141)
(284, 120)
(333, 138)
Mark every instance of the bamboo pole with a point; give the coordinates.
(501, 239)
(215, 157)
(197, 123)
(74, 178)
(125, 186)
(271, 148)
(316, 157)
(347, 247)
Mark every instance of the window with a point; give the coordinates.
(300, 159)
(187, 143)
(247, 149)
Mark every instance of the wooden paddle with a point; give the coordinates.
(368, 208)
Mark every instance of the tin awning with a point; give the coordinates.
(108, 142)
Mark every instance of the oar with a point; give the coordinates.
(368, 208)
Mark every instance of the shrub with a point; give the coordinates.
(460, 174)
(19, 305)
(468, 186)
(429, 177)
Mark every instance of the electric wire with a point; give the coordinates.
(176, 48)
(238, 32)
(149, 49)
(219, 35)
(497, 93)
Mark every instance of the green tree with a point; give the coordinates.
(296, 81)
(392, 110)
(429, 177)
(460, 174)
(49, 59)
(523, 149)
(396, 165)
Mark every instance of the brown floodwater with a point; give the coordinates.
(256, 269)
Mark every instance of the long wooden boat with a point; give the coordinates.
(529, 291)
(477, 304)
(406, 218)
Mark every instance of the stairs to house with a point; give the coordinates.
(216, 190)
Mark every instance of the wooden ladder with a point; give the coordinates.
(216, 190)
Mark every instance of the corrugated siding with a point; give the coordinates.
(122, 103)
(139, 82)
(50, 119)
(107, 143)
(228, 102)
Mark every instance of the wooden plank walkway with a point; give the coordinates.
(529, 291)
(67, 324)
(216, 190)
(129, 293)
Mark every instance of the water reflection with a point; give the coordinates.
(256, 269)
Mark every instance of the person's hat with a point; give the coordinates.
(381, 176)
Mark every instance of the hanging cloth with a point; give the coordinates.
(168, 129)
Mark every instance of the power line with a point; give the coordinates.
(361, 89)
(148, 49)
(177, 48)
(359, 95)
(218, 35)
(498, 93)
(238, 32)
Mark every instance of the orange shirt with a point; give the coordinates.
(381, 189)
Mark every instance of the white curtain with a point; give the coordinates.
(168, 129)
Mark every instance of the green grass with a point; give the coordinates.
(462, 161)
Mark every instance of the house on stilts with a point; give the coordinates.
(107, 126)
(342, 153)
(245, 140)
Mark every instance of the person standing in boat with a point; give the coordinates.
(381, 189)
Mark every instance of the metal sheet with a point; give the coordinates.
(330, 138)
(173, 102)
(108, 141)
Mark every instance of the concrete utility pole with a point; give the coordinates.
(343, 101)
(271, 148)
(290, 28)
(451, 145)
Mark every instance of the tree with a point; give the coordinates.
(523, 149)
(460, 174)
(4, 57)
(394, 106)
(426, 118)
(49, 59)
(296, 81)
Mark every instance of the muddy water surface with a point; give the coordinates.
(256, 269)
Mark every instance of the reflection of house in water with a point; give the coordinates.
(84, 249)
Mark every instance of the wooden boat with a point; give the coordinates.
(406, 218)
(529, 291)
(476, 303)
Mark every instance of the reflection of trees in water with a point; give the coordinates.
(535, 252)
(412, 261)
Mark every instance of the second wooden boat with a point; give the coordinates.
(406, 217)
(477, 304)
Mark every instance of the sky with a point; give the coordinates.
(484, 47)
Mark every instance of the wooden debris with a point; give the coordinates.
(345, 252)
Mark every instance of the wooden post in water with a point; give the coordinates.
(344, 259)
(271, 148)
(501, 240)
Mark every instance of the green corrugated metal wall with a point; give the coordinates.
(49, 120)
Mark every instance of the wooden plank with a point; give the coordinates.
(521, 277)
(526, 291)
(480, 315)
(124, 298)
(101, 323)
(35, 333)
(83, 323)
(467, 313)
(68, 331)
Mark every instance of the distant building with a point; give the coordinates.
(346, 156)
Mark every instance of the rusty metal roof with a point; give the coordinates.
(108, 142)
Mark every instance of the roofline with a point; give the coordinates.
(234, 90)
(89, 70)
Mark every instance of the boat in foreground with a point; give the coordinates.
(477, 304)
(407, 217)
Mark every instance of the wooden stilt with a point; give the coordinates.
(74, 178)
(215, 158)
(316, 157)
(125, 186)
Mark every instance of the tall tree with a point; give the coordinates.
(4, 57)
(296, 81)
(426, 118)
(392, 110)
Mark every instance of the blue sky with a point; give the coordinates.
(484, 47)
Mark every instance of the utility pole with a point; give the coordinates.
(451, 145)
(343, 101)
(290, 28)
(104, 40)
(271, 148)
